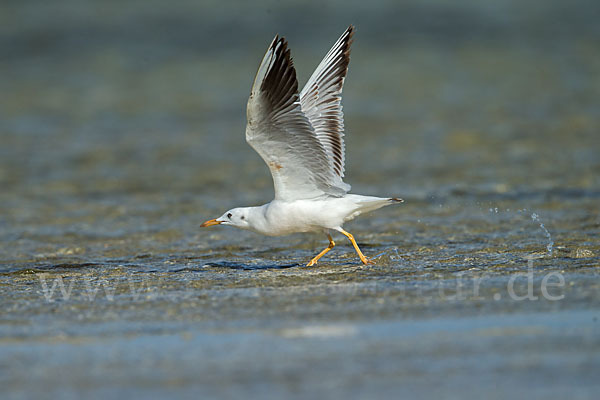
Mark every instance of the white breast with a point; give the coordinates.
(283, 218)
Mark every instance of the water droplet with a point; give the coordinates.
(537, 219)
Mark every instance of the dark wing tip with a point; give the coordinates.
(348, 43)
(282, 59)
(280, 81)
(351, 29)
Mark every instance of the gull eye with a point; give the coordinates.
(229, 215)
(242, 217)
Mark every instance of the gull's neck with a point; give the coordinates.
(257, 219)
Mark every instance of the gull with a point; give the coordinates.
(300, 138)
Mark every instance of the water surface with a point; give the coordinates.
(122, 130)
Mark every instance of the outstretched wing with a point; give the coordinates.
(321, 100)
(282, 135)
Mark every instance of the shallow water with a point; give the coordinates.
(122, 130)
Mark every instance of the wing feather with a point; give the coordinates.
(321, 100)
(282, 135)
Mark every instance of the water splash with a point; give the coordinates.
(391, 252)
(537, 219)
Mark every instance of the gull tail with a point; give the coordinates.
(365, 204)
(370, 203)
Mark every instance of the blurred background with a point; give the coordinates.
(144, 96)
(122, 129)
(119, 108)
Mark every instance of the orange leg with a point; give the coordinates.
(364, 259)
(321, 254)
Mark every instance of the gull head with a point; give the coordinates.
(237, 217)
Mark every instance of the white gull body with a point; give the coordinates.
(300, 137)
